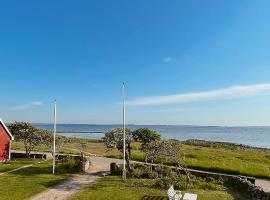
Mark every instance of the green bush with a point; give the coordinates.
(138, 173)
(163, 171)
(116, 169)
(152, 175)
(68, 165)
(180, 182)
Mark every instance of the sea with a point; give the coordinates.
(257, 136)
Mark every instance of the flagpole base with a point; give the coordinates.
(124, 175)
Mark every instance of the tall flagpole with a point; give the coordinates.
(124, 131)
(54, 133)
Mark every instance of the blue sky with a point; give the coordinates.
(184, 62)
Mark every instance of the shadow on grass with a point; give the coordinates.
(34, 170)
(154, 198)
(237, 193)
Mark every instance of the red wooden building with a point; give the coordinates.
(5, 142)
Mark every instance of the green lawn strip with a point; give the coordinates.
(27, 182)
(113, 188)
(17, 163)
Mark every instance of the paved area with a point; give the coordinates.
(265, 184)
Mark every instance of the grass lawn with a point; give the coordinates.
(112, 188)
(27, 182)
(16, 163)
(224, 159)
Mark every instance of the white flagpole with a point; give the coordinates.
(54, 133)
(124, 132)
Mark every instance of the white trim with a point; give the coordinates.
(9, 150)
(1, 121)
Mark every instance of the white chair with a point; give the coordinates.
(172, 194)
(189, 196)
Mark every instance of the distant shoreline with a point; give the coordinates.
(252, 136)
(71, 132)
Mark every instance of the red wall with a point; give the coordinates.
(4, 143)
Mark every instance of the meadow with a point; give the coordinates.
(219, 158)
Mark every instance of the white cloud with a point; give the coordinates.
(37, 103)
(173, 110)
(28, 105)
(226, 93)
(167, 59)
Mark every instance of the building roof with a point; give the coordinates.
(6, 129)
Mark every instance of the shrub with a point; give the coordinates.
(142, 171)
(116, 169)
(152, 175)
(163, 171)
(69, 165)
(139, 166)
(180, 182)
(138, 173)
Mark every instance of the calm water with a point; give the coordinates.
(254, 136)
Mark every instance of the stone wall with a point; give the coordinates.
(85, 163)
(254, 191)
(32, 155)
(243, 183)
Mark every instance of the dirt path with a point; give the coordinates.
(99, 168)
(265, 184)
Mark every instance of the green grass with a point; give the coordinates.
(16, 163)
(235, 161)
(27, 182)
(112, 188)
(219, 158)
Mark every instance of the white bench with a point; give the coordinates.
(189, 196)
(172, 194)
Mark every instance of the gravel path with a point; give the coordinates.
(265, 184)
(99, 168)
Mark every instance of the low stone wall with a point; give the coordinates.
(255, 192)
(85, 164)
(246, 184)
(84, 160)
(32, 155)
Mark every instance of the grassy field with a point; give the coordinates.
(112, 188)
(224, 159)
(14, 164)
(27, 182)
(250, 162)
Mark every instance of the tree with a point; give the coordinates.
(47, 139)
(145, 136)
(28, 134)
(172, 149)
(114, 139)
(169, 150)
(152, 151)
